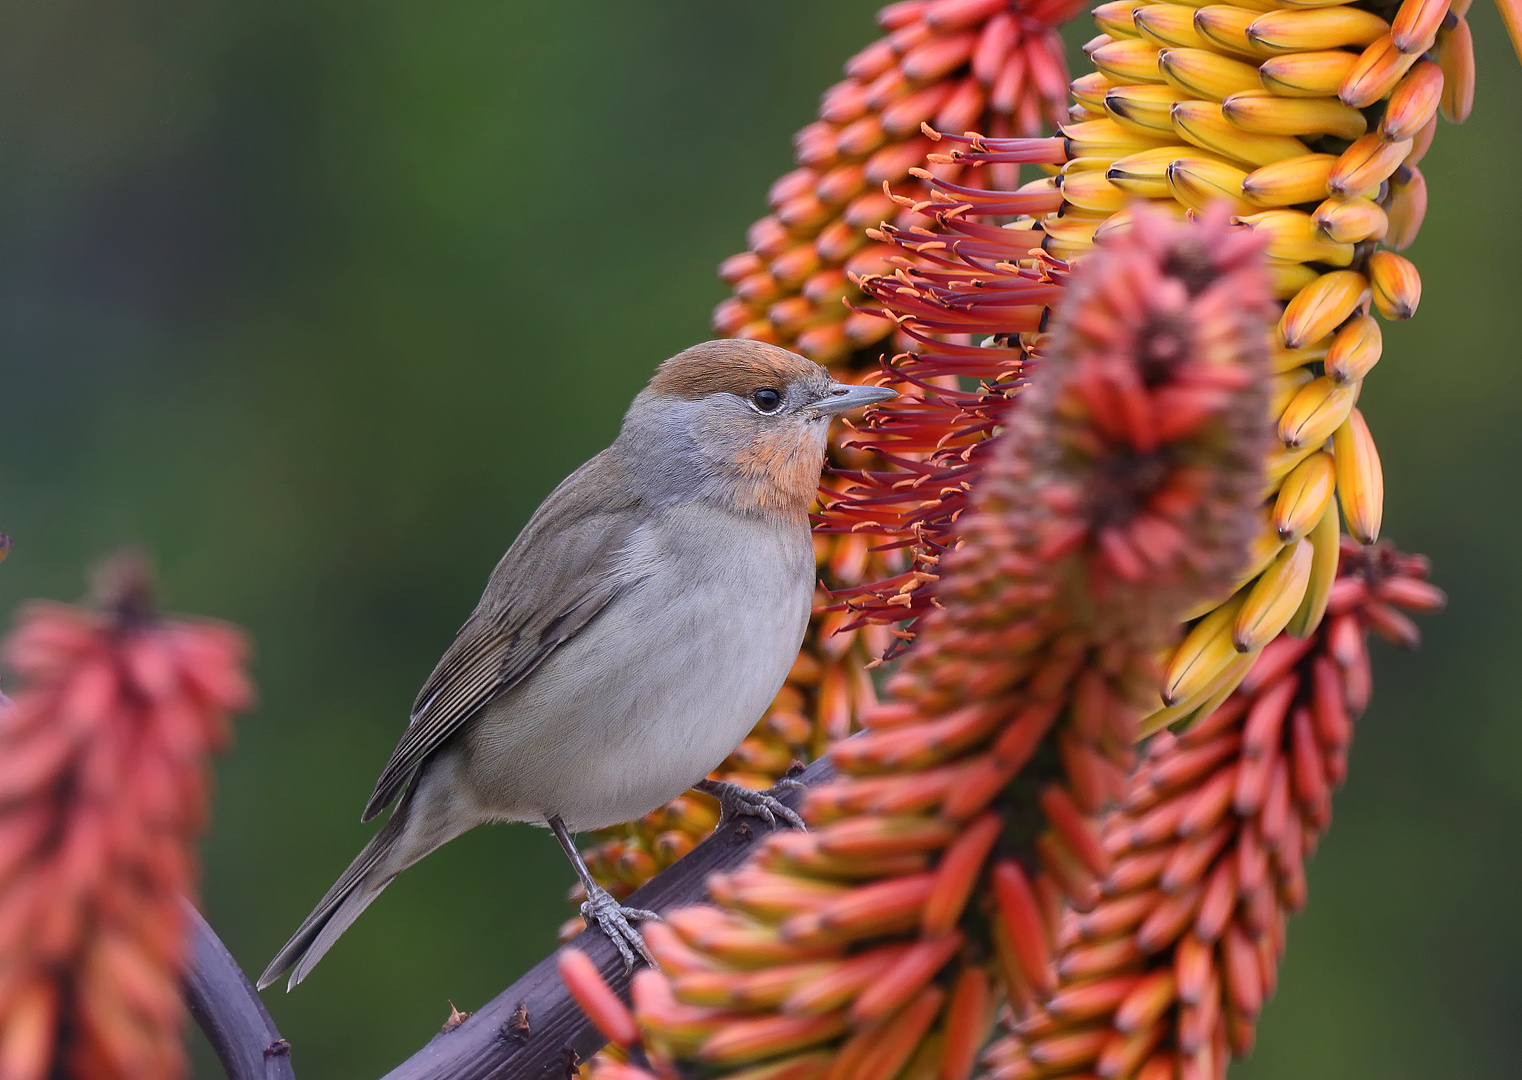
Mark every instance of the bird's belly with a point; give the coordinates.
(697, 709)
(650, 697)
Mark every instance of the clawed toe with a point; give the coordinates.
(736, 801)
(791, 817)
(614, 920)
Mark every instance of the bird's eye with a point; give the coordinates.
(767, 400)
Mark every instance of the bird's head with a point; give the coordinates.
(741, 422)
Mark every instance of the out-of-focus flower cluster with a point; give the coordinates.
(989, 65)
(964, 818)
(1165, 976)
(103, 791)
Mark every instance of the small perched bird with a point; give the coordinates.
(633, 634)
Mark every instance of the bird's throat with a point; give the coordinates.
(777, 476)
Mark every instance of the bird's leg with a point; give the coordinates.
(602, 909)
(737, 801)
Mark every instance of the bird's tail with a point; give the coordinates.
(369, 873)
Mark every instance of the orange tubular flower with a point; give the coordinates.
(965, 817)
(960, 279)
(1165, 976)
(103, 779)
(990, 65)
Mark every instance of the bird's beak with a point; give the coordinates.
(842, 398)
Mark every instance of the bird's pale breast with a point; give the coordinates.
(663, 684)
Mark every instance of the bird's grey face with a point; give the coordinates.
(751, 417)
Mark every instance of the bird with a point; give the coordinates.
(630, 638)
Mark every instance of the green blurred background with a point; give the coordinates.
(315, 301)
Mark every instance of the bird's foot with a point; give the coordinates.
(736, 801)
(613, 919)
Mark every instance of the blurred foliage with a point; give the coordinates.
(316, 301)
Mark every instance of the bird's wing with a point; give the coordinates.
(561, 571)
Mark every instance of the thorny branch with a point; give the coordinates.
(229, 1011)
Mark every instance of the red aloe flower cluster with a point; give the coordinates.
(1122, 489)
(1165, 976)
(103, 790)
(963, 280)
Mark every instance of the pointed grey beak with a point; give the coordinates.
(841, 398)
